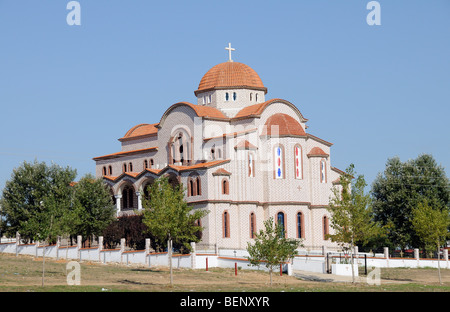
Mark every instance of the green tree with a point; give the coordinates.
(94, 209)
(271, 247)
(351, 213)
(169, 218)
(35, 200)
(400, 188)
(431, 226)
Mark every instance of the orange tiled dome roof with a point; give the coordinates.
(287, 126)
(230, 75)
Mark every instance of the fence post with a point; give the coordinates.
(100, 248)
(122, 248)
(147, 250)
(193, 256)
(386, 255)
(79, 239)
(58, 244)
(446, 257)
(17, 243)
(416, 256)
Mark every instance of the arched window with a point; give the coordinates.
(323, 171)
(279, 162)
(130, 167)
(280, 222)
(199, 187)
(110, 170)
(252, 225)
(251, 96)
(300, 226)
(145, 164)
(226, 224)
(124, 167)
(227, 97)
(128, 197)
(104, 171)
(256, 97)
(234, 96)
(180, 149)
(191, 187)
(251, 165)
(298, 162)
(151, 163)
(225, 187)
(209, 98)
(325, 227)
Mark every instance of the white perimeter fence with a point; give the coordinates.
(319, 262)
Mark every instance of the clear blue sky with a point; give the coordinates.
(67, 93)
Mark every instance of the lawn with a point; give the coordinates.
(24, 274)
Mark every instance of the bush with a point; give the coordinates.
(129, 227)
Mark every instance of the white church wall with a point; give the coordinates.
(136, 144)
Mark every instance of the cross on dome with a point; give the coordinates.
(229, 48)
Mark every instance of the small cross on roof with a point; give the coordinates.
(229, 48)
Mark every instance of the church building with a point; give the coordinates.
(241, 156)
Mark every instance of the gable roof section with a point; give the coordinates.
(206, 112)
(255, 111)
(159, 172)
(127, 153)
(140, 131)
(317, 152)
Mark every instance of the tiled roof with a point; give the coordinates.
(204, 165)
(159, 172)
(139, 131)
(257, 109)
(244, 144)
(200, 110)
(284, 124)
(127, 153)
(230, 75)
(221, 172)
(317, 151)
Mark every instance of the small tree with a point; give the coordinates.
(271, 247)
(351, 214)
(168, 217)
(93, 207)
(431, 225)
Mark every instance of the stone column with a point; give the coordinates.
(139, 199)
(118, 200)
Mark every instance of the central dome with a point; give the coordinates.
(230, 75)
